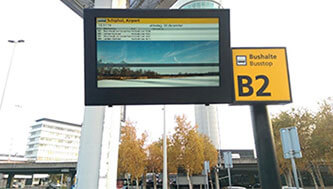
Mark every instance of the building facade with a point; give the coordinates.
(207, 121)
(12, 158)
(53, 140)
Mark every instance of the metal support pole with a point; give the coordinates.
(69, 181)
(9, 68)
(293, 164)
(1, 180)
(205, 185)
(229, 175)
(89, 162)
(217, 181)
(207, 182)
(61, 178)
(264, 141)
(112, 119)
(90, 147)
(165, 159)
(72, 175)
(10, 180)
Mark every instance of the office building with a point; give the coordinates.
(53, 140)
(207, 121)
(12, 158)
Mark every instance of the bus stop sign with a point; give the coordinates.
(261, 75)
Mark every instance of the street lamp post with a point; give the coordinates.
(165, 160)
(9, 68)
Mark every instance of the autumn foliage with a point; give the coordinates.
(315, 132)
(187, 150)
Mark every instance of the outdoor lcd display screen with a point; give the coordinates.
(157, 52)
(157, 56)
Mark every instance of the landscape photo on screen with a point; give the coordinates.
(157, 52)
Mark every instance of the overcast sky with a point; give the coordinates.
(47, 73)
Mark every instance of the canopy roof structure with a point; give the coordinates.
(78, 5)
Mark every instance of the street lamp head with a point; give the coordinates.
(13, 41)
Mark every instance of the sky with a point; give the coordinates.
(158, 51)
(46, 78)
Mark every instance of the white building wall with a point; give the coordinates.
(207, 121)
(52, 140)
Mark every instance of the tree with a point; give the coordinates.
(187, 149)
(284, 119)
(303, 120)
(155, 159)
(210, 154)
(313, 131)
(193, 154)
(321, 142)
(132, 156)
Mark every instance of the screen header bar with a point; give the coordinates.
(157, 20)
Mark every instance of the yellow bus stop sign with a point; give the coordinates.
(261, 75)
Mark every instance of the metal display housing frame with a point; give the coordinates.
(157, 95)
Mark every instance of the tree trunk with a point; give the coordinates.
(189, 181)
(320, 178)
(300, 178)
(217, 181)
(211, 184)
(313, 178)
(154, 180)
(285, 178)
(168, 184)
(137, 183)
(144, 183)
(290, 178)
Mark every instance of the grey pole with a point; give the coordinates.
(10, 180)
(90, 151)
(9, 68)
(293, 164)
(165, 160)
(88, 166)
(207, 181)
(229, 175)
(264, 141)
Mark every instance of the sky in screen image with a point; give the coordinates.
(47, 74)
(158, 51)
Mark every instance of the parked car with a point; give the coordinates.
(17, 185)
(234, 187)
(256, 185)
(53, 186)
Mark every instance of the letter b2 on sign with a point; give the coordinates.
(245, 88)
